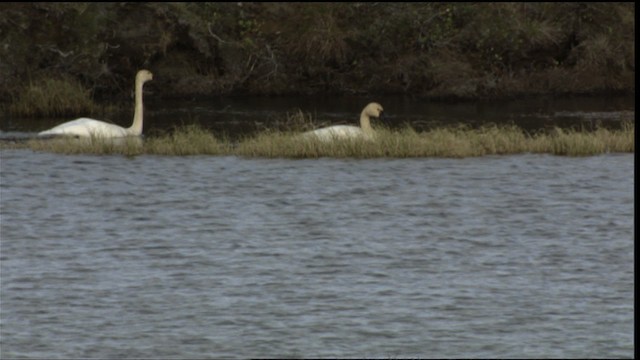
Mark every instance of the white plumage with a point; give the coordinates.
(341, 132)
(86, 127)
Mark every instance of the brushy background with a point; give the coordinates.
(431, 50)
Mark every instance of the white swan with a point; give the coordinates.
(85, 127)
(347, 131)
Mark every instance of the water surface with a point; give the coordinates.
(221, 257)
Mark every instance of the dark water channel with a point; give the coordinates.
(238, 116)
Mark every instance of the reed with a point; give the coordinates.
(52, 98)
(456, 142)
(186, 140)
(287, 144)
(582, 143)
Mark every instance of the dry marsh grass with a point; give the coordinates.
(455, 142)
(188, 140)
(581, 143)
(52, 98)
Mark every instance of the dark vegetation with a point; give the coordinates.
(434, 50)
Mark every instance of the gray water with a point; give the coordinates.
(224, 257)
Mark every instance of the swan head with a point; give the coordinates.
(373, 110)
(144, 76)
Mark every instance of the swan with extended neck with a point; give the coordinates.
(85, 127)
(348, 131)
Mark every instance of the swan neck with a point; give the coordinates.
(365, 122)
(136, 127)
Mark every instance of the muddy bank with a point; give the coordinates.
(431, 50)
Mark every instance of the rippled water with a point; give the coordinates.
(211, 257)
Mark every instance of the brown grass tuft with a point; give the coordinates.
(52, 98)
(455, 141)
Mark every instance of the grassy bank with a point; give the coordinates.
(456, 142)
(432, 50)
(52, 97)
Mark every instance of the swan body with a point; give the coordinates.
(342, 132)
(86, 127)
(338, 132)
